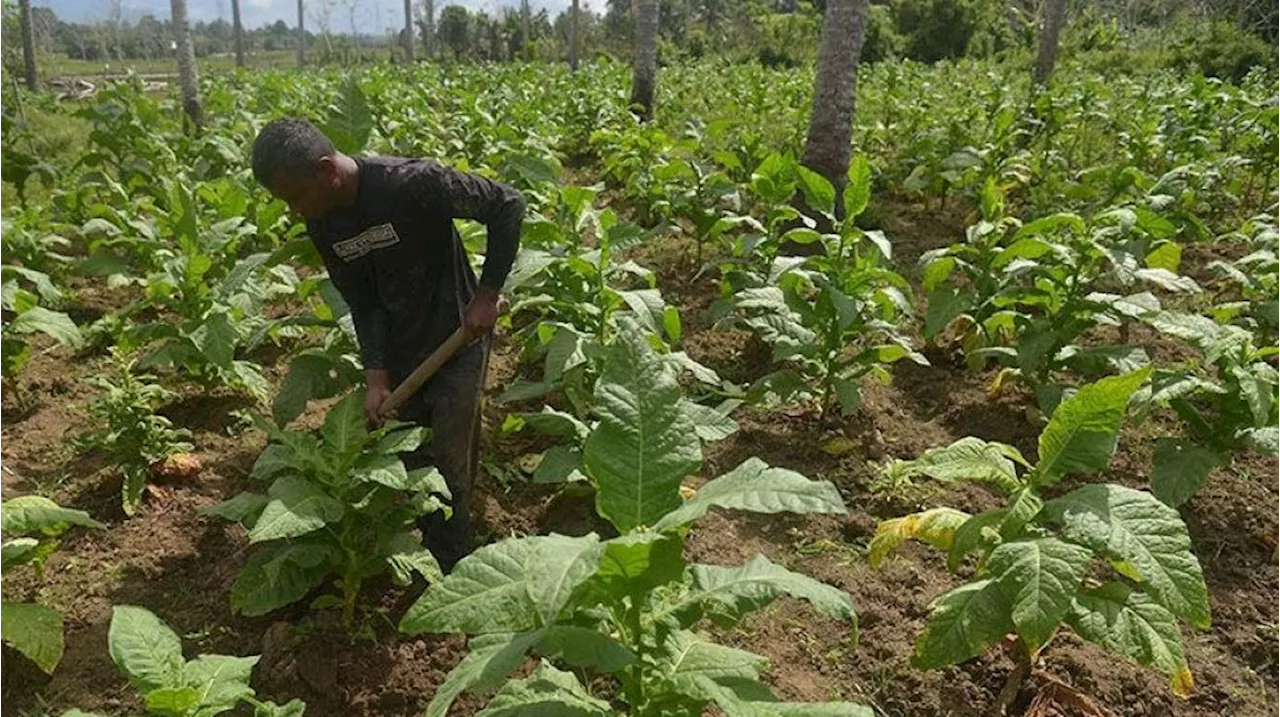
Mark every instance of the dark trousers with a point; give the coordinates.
(449, 404)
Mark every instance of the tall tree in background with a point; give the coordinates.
(408, 30)
(645, 60)
(829, 144)
(525, 39)
(28, 44)
(302, 36)
(1055, 16)
(186, 64)
(573, 37)
(238, 31)
(430, 29)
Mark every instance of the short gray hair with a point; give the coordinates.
(290, 144)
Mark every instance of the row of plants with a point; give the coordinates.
(1072, 264)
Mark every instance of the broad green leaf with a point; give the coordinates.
(637, 563)
(734, 592)
(644, 445)
(584, 647)
(275, 458)
(973, 533)
(936, 526)
(754, 486)
(1148, 535)
(172, 701)
(800, 709)
(296, 507)
(692, 665)
(1024, 506)
(648, 307)
(244, 508)
(221, 681)
(1258, 394)
(858, 194)
(293, 708)
(1131, 624)
(382, 468)
(490, 658)
(1263, 440)
(848, 394)
(515, 585)
(818, 191)
(33, 630)
(309, 377)
(547, 692)
(551, 422)
(559, 464)
(277, 576)
(1167, 256)
(144, 648)
(344, 426)
(1081, 436)
(402, 440)
(350, 121)
(56, 325)
(18, 551)
(406, 555)
(971, 459)
(31, 514)
(216, 339)
(945, 304)
(709, 423)
(1038, 577)
(963, 623)
(1179, 468)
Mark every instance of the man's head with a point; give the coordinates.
(297, 163)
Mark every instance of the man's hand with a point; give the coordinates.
(482, 312)
(377, 390)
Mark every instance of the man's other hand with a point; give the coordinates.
(377, 391)
(482, 312)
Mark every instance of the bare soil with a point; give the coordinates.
(181, 565)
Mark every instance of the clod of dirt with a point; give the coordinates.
(179, 466)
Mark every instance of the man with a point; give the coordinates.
(384, 227)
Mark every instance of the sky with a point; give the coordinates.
(372, 16)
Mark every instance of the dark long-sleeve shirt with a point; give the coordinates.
(398, 260)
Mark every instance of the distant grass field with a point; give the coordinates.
(52, 66)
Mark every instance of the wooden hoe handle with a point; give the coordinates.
(425, 370)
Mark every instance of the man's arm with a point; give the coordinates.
(501, 209)
(373, 328)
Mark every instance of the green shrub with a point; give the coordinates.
(1227, 53)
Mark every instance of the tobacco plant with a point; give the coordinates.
(31, 526)
(1042, 562)
(149, 653)
(628, 606)
(339, 505)
(128, 431)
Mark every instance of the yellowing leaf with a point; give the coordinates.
(936, 526)
(1181, 682)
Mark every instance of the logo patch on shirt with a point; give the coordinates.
(378, 237)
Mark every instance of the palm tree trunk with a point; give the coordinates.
(186, 64)
(573, 37)
(431, 29)
(525, 11)
(28, 45)
(645, 61)
(1055, 16)
(301, 50)
(238, 30)
(408, 31)
(829, 144)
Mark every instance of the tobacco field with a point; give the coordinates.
(1000, 433)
